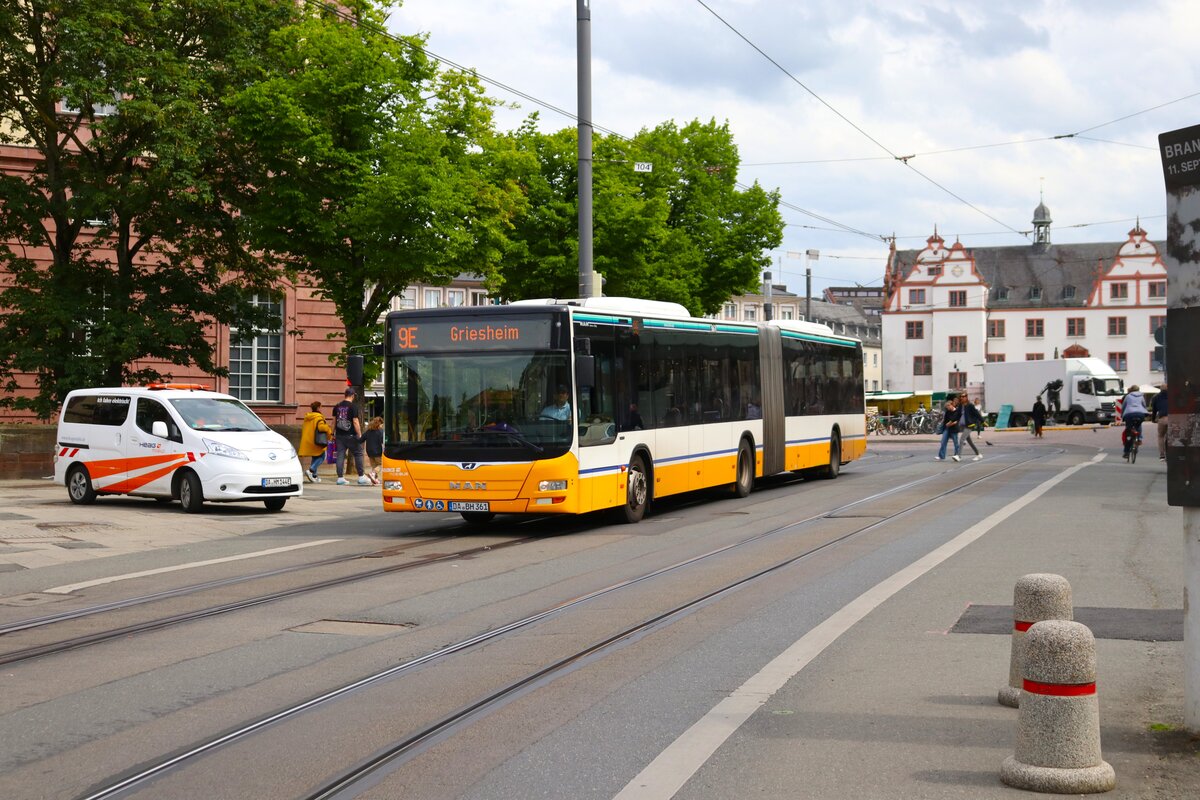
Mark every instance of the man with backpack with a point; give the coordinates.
(347, 429)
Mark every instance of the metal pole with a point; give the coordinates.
(768, 311)
(584, 66)
(809, 257)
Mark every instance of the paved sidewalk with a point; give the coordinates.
(40, 527)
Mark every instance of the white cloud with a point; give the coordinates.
(917, 77)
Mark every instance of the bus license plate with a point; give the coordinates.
(457, 506)
(276, 481)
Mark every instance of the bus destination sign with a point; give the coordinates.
(437, 335)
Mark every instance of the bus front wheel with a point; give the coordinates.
(637, 492)
(743, 480)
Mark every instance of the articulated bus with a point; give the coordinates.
(568, 407)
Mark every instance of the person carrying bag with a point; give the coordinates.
(315, 434)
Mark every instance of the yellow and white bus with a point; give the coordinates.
(567, 407)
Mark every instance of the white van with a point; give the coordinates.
(170, 441)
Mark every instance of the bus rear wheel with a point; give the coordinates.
(637, 492)
(835, 458)
(743, 481)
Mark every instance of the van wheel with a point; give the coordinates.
(743, 480)
(79, 486)
(275, 503)
(191, 494)
(637, 492)
(1075, 418)
(835, 458)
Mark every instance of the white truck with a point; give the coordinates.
(1076, 390)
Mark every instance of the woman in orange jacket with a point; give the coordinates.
(314, 422)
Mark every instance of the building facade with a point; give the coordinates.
(950, 310)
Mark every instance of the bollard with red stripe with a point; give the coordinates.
(1120, 401)
(1036, 597)
(1058, 730)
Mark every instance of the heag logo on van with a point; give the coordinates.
(172, 441)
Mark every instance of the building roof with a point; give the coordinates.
(1021, 268)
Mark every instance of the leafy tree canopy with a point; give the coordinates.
(129, 244)
(684, 232)
(385, 170)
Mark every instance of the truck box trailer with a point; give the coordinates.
(1076, 390)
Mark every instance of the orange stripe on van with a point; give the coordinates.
(135, 483)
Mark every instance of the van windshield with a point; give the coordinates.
(217, 414)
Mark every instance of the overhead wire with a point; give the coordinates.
(342, 14)
(851, 123)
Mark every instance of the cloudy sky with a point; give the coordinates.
(854, 87)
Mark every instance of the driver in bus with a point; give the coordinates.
(560, 409)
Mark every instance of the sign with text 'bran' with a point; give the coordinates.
(1180, 151)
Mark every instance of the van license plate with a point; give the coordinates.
(276, 481)
(457, 506)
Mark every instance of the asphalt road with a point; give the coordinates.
(827, 611)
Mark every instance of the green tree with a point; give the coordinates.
(684, 232)
(386, 171)
(128, 244)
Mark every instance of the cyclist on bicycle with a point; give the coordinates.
(1133, 411)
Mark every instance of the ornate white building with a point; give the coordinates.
(949, 309)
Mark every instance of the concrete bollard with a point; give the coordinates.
(1058, 730)
(1036, 597)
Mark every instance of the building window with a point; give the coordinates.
(914, 330)
(958, 298)
(1076, 326)
(787, 312)
(1068, 293)
(1118, 361)
(1157, 322)
(1158, 289)
(995, 358)
(922, 365)
(995, 329)
(1035, 328)
(916, 297)
(256, 358)
(479, 298)
(407, 299)
(456, 297)
(750, 313)
(731, 311)
(1002, 293)
(933, 270)
(1156, 363)
(874, 359)
(1035, 356)
(1116, 326)
(1118, 291)
(958, 344)
(957, 380)
(1035, 293)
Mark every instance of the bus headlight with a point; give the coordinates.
(393, 486)
(552, 486)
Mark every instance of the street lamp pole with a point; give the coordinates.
(811, 256)
(583, 58)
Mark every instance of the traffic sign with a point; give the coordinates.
(643, 166)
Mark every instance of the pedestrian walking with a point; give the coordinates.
(971, 421)
(1039, 416)
(372, 440)
(949, 430)
(315, 434)
(1158, 414)
(347, 426)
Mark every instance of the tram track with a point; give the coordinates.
(364, 774)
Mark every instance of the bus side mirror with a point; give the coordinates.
(585, 371)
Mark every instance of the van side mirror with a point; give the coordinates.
(159, 428)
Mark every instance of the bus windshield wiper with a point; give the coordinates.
(511, 435)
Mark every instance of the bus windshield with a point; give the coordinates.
(480, 406)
